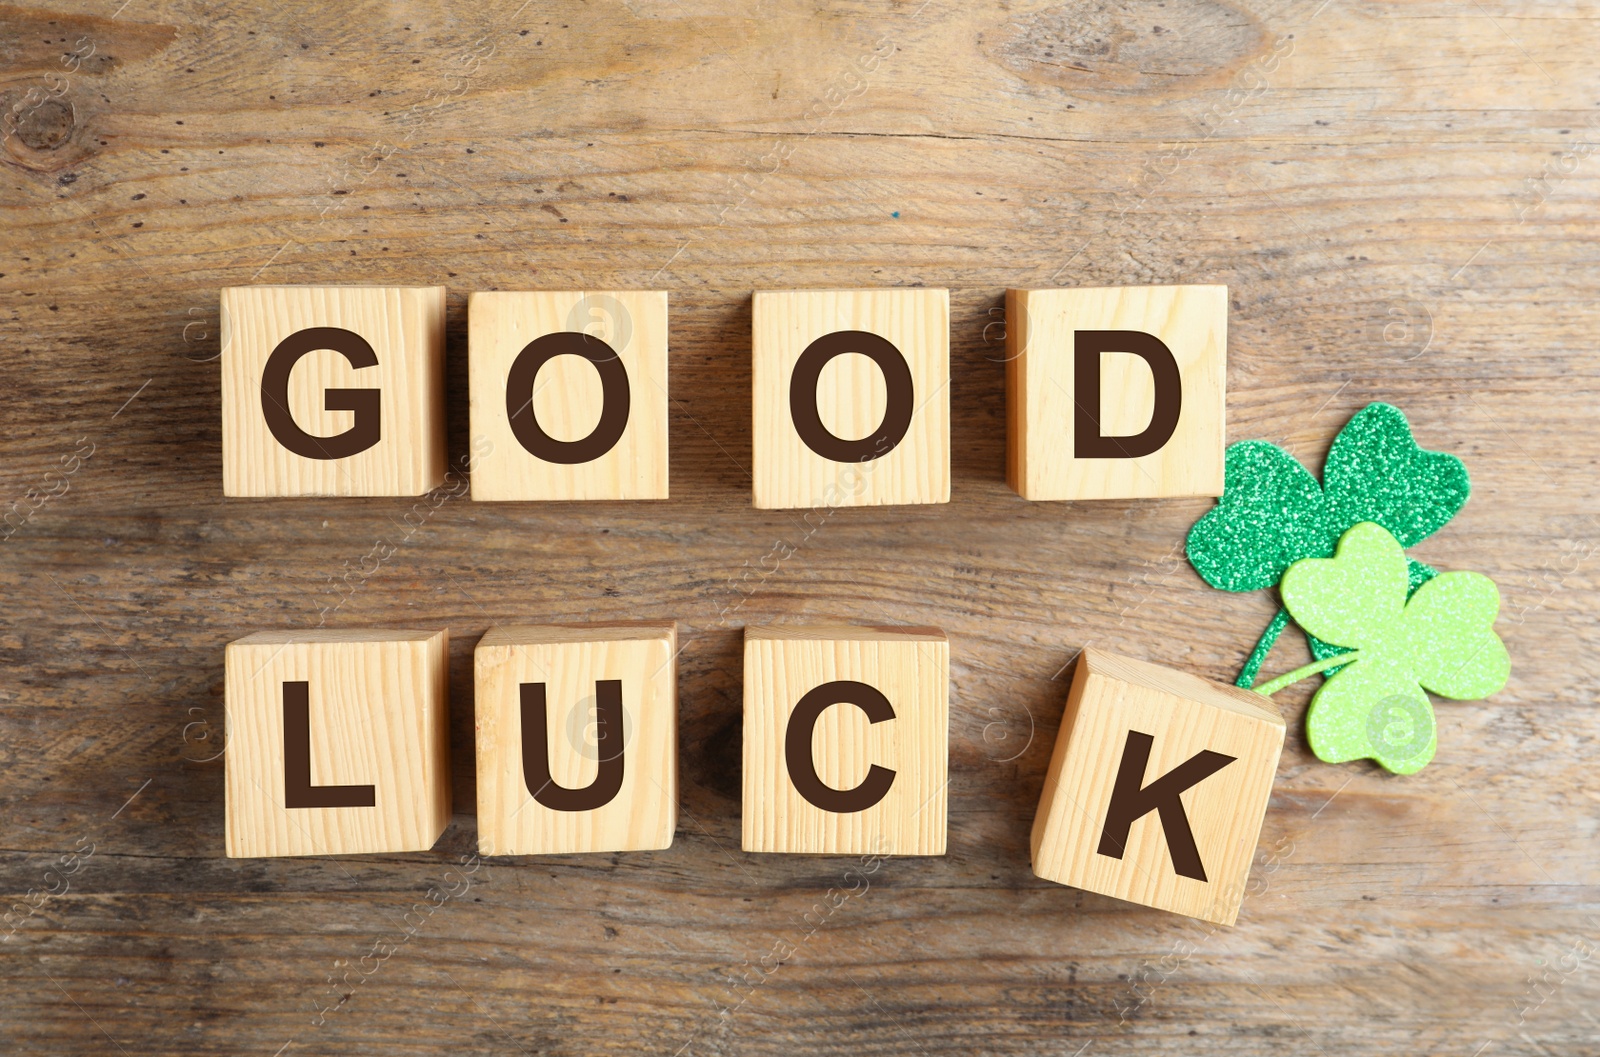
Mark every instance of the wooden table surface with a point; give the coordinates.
(1401, 198)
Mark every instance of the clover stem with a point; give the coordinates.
(1258, 656)
(1273, 686)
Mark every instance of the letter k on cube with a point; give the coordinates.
(1157, 787)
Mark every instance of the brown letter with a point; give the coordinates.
(897, 410)
(297, 788)
(536, 750)
(364, 402)
(613, 406)
(797, 746)
(1087, 441)
(1130, 801)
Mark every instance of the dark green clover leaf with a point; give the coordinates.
(1391, 648)
(1376, 472)
(1273, 512)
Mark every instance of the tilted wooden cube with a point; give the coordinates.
(569, 394)
(338, 742)
(851, 397)
(1157, 787)
(577, 732)
(846, 739)
(1116, 392)
(332, 390)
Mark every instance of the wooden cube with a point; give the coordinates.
(1157, 787)
(569, 394)
(1116, 392)
(332, 390)
(851, 397)
(846, 740)
(338, 742)
(577, 738)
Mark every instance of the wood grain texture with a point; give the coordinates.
(1401, 199)
(908, 464)
(1184, 716)
(379, 716)
(910, 668)
(403, 331)
(569, 661)
(567, 394)
(1042, 457)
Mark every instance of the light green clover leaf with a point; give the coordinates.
(1440, 639)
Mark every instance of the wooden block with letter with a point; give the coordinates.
(332, 390)
(1157, 787)
(1116, 392)
(338, 742)
(851, 397)
(846, 739)
(568, 394)
(577, 732)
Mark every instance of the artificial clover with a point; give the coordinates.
(1390, 648)
(1273, 512)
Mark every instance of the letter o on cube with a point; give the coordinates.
(569, 394)
(851, 397)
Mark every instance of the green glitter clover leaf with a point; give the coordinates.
(1273, 512)
(1441, 639)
